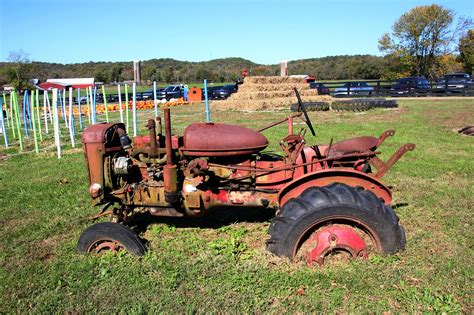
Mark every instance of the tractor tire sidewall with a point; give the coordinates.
(111, 231)
(299, 217)
(375, 223)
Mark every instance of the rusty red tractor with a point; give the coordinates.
(328, 199)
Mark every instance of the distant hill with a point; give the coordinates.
(217, 70)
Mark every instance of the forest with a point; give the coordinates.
(218, 70)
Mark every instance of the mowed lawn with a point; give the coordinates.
(219, 263)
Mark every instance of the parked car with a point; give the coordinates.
(354, 88)
(172, 91)
(223, 92)
(210, 92)
(322, 89)
(453, 83)
(411, 86)
(149, 94)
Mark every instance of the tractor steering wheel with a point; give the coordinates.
(303, 109)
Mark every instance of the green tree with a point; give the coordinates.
(422, 35)
(203, 73)
(17, 71)
(466, 51)
(167, 74)
(101, 75)
(116, 73)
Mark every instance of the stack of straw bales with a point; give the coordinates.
(259, 93)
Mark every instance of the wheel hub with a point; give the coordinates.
(108, 245)
(335, 238)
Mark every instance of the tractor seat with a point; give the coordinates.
(351, 146)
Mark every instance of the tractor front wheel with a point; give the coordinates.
(335, 221)
(108, 236)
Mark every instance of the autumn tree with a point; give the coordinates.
(466, 51)
(422, 36)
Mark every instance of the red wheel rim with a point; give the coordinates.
(333, 238)
(105, 245)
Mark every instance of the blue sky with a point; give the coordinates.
(263, 31)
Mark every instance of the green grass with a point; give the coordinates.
(218, 263)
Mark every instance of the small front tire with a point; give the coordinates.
(108, 236)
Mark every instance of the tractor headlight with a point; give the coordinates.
(95, 190)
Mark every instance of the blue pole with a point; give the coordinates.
(25, 117)
(94, 117)
(63, 106)
(3, 122)
(79, 106)
(28, 109)
(208, 114)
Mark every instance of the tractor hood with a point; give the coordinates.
(211, 139)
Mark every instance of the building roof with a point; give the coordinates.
(76, 83)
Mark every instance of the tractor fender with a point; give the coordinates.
(326, 177)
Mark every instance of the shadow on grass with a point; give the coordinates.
(221, 216)
(399, 205)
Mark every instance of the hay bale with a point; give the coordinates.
(263, 93)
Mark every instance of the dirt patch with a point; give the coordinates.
(449, 118)
(44, 250)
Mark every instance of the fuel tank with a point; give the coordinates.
(215, 139)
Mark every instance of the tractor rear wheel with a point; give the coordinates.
(335, 220)
(109, 236)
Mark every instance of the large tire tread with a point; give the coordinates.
(317, 203)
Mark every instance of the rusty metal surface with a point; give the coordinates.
(141, 142)
(168, 147)
(170, 178)
(94, 143)
(354, 145)
(152, 137)
(382, 168)
(210, 139)
(385, 135)
(288, 166)
(95, 133)
(290, 123)
(105, 244)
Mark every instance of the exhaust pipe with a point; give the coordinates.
(153, 154)
(170, 177)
